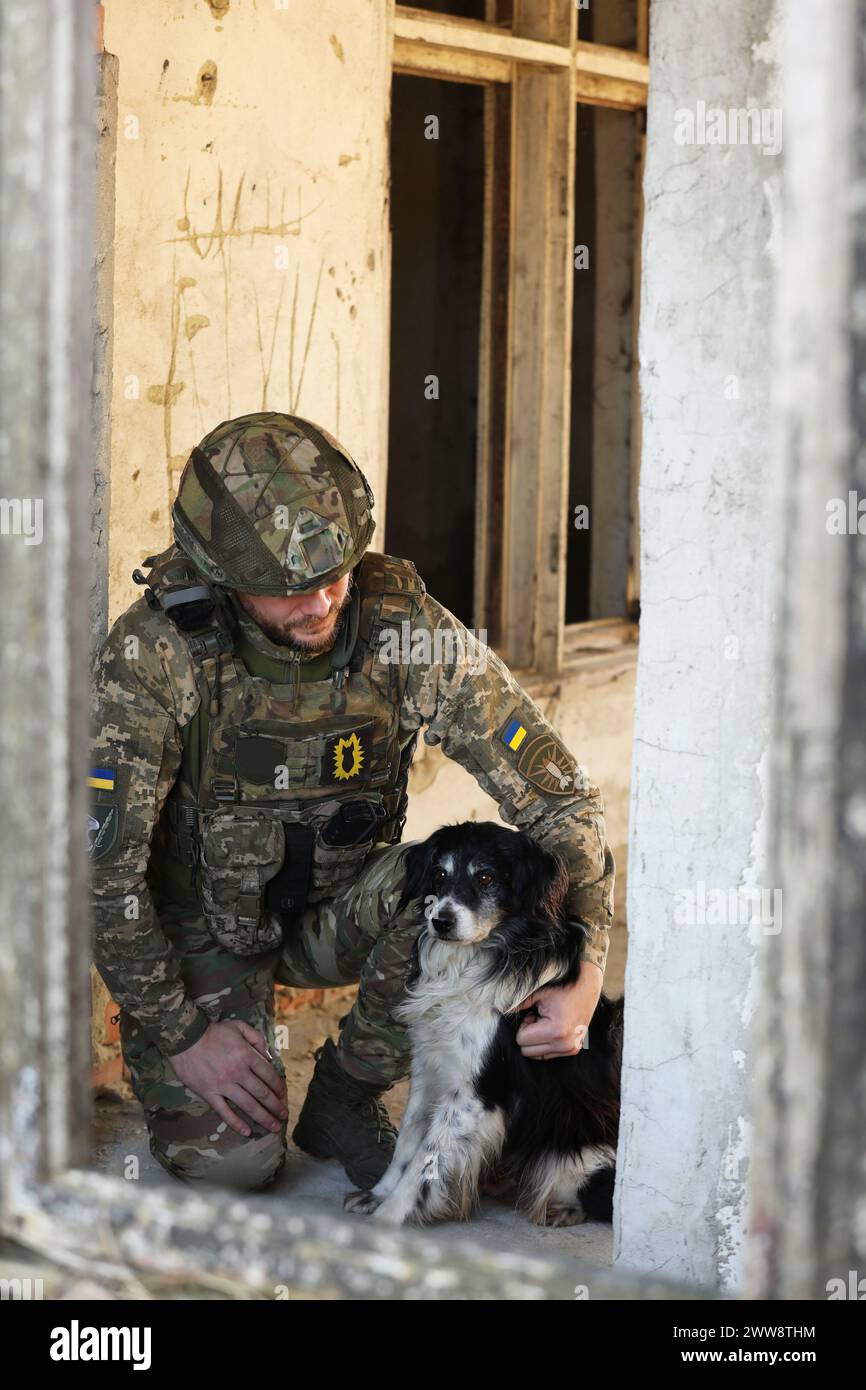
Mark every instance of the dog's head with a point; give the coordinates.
(472, 876)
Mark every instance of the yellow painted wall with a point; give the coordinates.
(252, 245)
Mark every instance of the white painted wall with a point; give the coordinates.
(704, 668)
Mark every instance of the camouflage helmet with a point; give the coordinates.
(272, 504)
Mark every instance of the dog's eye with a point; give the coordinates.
(483, 879)
(439, 877)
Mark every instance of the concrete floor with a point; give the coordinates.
(317, 1186)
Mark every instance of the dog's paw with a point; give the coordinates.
(393, 1213)
(363, 1202)
(562, 1214)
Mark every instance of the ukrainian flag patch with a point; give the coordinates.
(514, 734)
(101, 779)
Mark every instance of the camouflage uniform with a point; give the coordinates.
(207, 752)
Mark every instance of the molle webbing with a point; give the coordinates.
(388, 593)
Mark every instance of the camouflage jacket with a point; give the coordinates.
(145, 694)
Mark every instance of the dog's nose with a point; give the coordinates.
(442, 923)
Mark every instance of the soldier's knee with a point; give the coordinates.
(221, 1158)
(252, 1165)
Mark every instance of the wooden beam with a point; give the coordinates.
(493, 366)
(449, 64)
(611, 77)
(458, 50)
(418, 28)
(643, 23)
(544, 116)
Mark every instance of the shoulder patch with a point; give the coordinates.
(106, 813)
(541, 758)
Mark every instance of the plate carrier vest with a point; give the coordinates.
(286, 786)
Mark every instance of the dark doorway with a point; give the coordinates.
(437, 212)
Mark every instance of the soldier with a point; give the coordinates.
(255, 716)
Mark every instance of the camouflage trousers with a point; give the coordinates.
(356, 937)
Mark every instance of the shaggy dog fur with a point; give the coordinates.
(494, 933)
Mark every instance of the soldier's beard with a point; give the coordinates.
(303, 635)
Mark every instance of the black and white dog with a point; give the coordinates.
(495, 933)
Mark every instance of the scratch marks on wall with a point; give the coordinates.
(205, 242)
(242, 303)
(337, 47)
(166, 393)
(267, 366)
(230, 224)
(298, 354)
(294, 388)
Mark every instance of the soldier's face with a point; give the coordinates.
(307, 622)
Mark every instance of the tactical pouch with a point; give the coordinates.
(258, 866)
(345, 835)
(286, 892)
(353, 823)
(240, 852)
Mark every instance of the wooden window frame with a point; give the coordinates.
(521, 533)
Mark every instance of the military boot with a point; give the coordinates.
(343, 1118)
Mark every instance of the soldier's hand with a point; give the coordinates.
(564, 1015)
(230, 1063)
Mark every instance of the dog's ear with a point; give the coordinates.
(539, 878)
(418, 863)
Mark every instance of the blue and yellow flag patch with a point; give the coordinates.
(541, 758)
(101, 779)
(514, 734)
